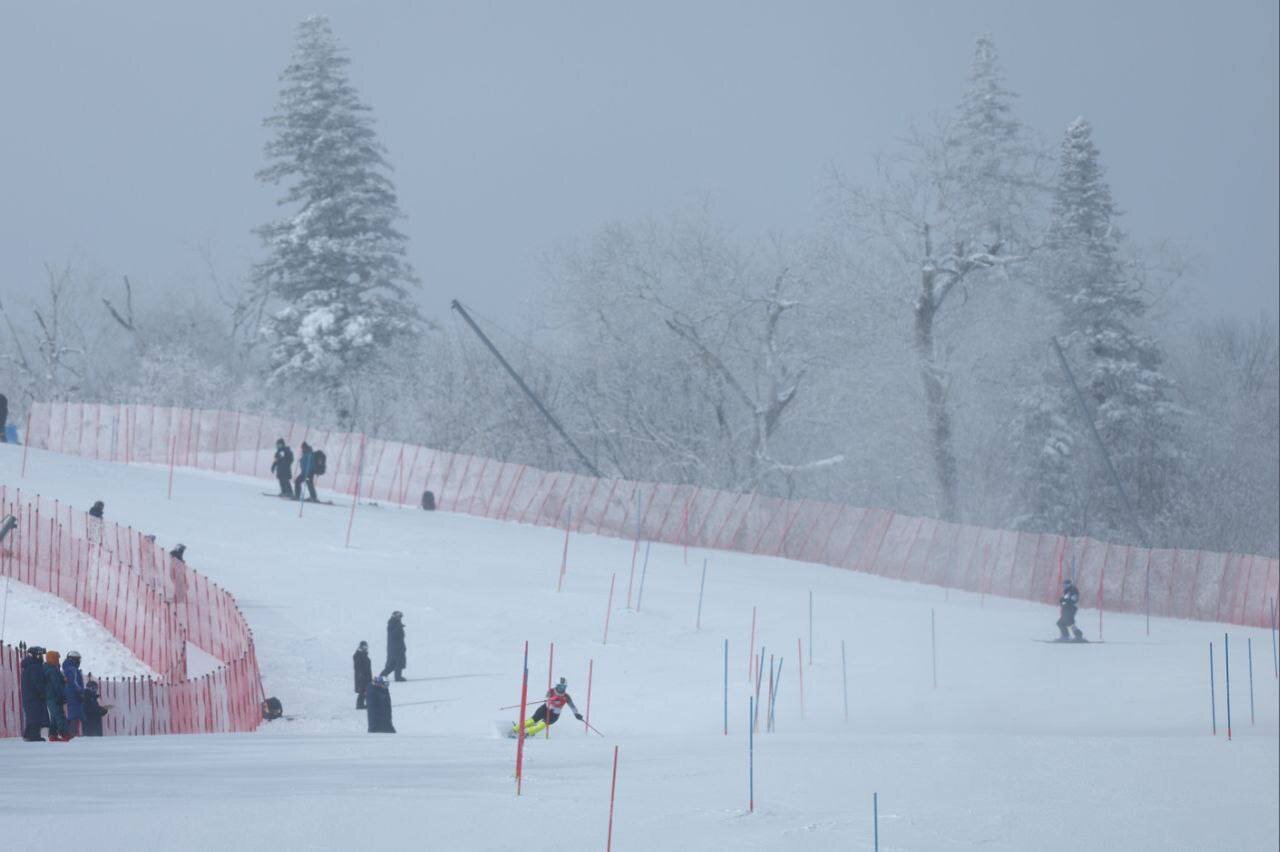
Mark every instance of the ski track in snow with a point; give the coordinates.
(1023, 745)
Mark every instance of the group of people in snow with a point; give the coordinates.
(310, 465)
(55, 695)
(372, 693)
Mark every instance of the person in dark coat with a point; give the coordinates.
(1069, 603)
(73, 692)
(97, 509)
(35, 713)
(179, 552)
(4, 419)
(93, 711)
(396, 653)
(282, 467)
(363, 672)
(307, 474)
(378, 706)
(54, 697)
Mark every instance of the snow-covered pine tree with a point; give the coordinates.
(1095, 289)
(336, 277)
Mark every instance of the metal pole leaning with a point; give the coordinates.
(726, 687)
(702, 587)
(1213, 701)
(1249, 645)
(844, 673)
(1226, 665)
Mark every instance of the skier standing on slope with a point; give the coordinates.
(363, 673)
(1069, 603)
(379, 707)
(35, 713)
(549, 712)
(73, 692)
(93, 711)
(282, 467)
(396, 652)
(54, 686)
(307, 474)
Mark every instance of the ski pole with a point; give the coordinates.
(592, 727)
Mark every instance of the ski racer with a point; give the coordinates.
(1069, 603)
(549, 712)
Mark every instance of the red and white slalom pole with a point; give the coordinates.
(613, 792)
(609, 609)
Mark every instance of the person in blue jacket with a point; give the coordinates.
(93, 711)
(74, 692)
(34, 712)
(54, 697)
(306, 473)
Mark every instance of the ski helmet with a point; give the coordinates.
(397, 614)
(73, 655)
(364, 646)
(379, 681)
(562, 687)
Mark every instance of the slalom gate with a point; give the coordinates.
(1224, 587)
(151, 603)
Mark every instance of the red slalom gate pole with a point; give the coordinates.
(609, 610)
(564, 557)
(551, 661)
(26, 441)
(524, 699)
(800, 670)
(173, 448)
(586, 725)
(613, 792)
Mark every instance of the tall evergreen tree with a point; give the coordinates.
(1094, 288)
(336, 275)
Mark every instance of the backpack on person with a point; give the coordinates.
(317, 462)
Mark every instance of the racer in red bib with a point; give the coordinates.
(549, 712)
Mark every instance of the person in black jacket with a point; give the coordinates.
(93, 711)
(179, 552)
(363, 672)
(35, 714)
(395, 647)
(55, 686)
(97, 509)
(379, 707)
(282, 467)
(1069, 603)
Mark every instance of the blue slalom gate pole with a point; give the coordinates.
(844, 674)
(810, 627)
(1226, 664)
(1275, 656)
(726, 687)
(1249, 645)
(773, 699)
(644, 570)
(1213, 701)
(702, 587)
(751, 755)
(875, 820)
(759, 677)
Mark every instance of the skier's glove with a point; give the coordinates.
(578, 716)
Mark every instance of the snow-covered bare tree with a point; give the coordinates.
(58, 363)
(1098, 292)
(957, 210)
(336, 276)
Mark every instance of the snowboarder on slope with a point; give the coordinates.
(1069, 603)
(379, 707)
(395, 647)
(35, 713)
(549, 712)
(363, 672)
(282, 467)
(54, 687)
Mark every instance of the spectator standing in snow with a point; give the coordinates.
(378, 706)
(96, 510)
(363, 673)
(35, 713)
(54, 697)
(93, 711)
(282, 467)
(179, 552)
(1069, 603)
(73, 692)
(396, 652)
(94, 525)
(306, 473)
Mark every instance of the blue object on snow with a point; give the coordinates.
(11, 433)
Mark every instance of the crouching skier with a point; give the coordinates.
(549, 712)
(378, 704)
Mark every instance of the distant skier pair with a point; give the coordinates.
(372, 693)
(310, 465)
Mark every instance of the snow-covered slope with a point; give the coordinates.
(38, 618)
(1022, 745)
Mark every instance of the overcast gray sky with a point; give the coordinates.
(131, 131)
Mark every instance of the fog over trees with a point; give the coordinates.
(898, 354)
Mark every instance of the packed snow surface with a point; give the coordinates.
(1022, 745)
(39, 618)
